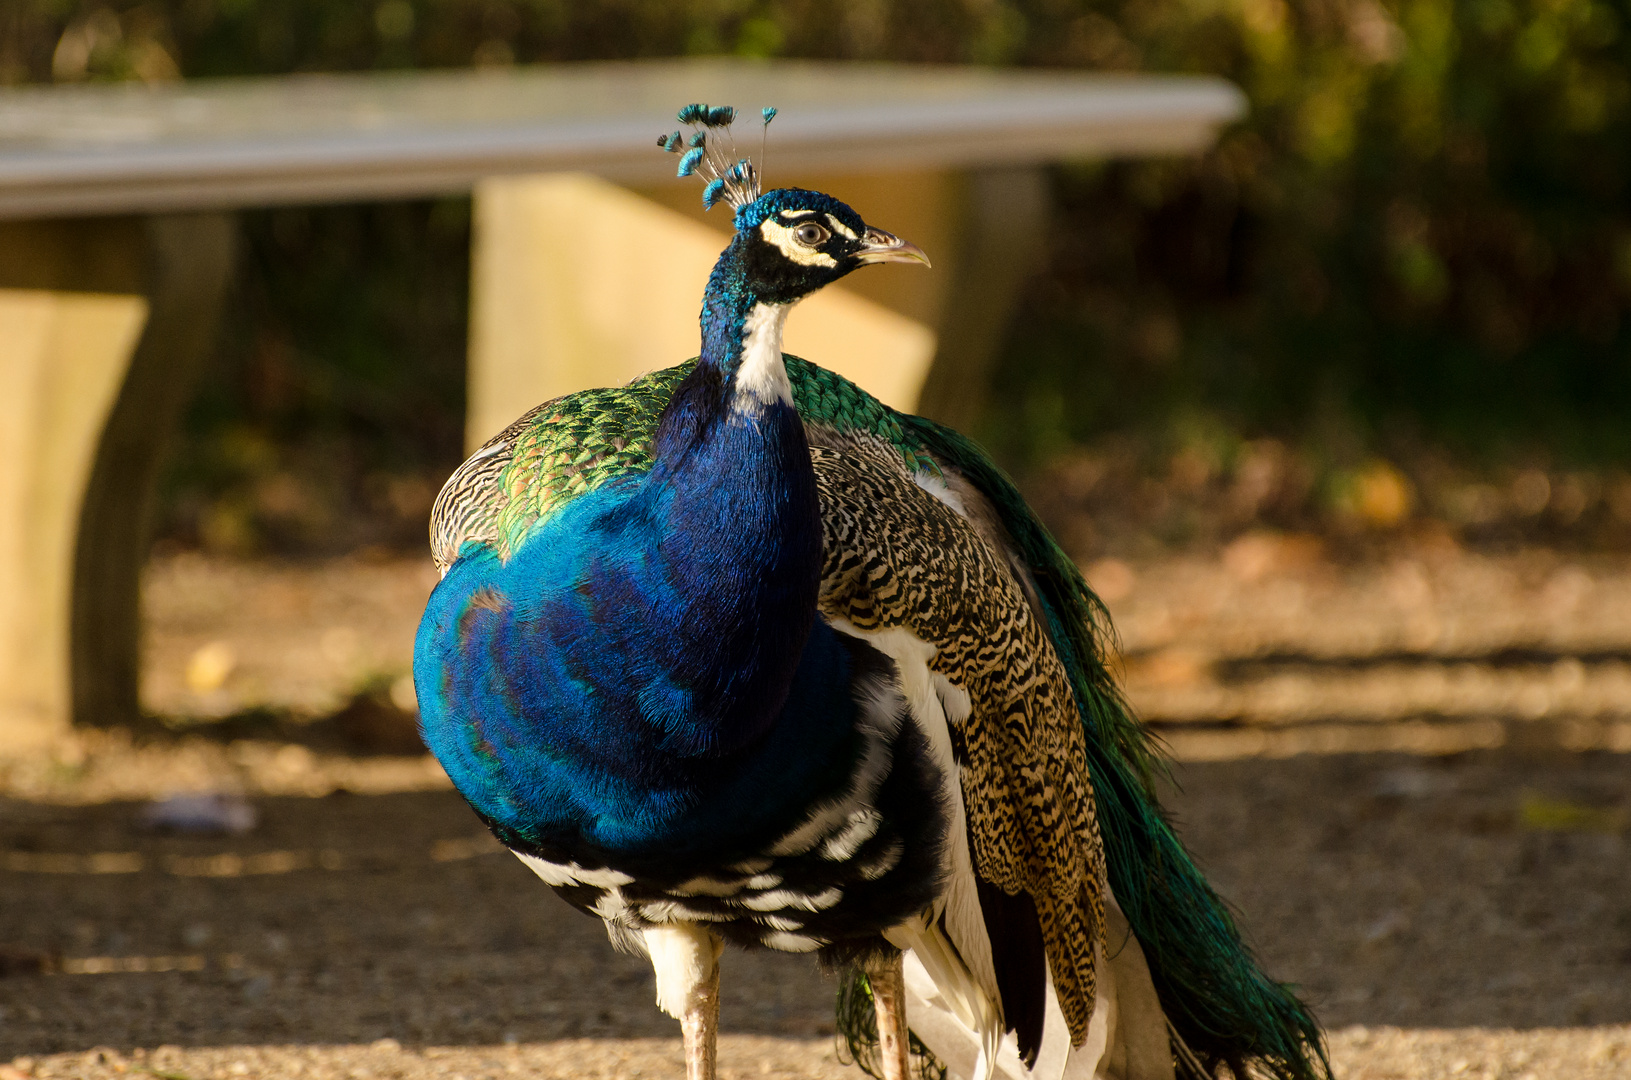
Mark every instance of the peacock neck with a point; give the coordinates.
(737, 517)
(742, 335)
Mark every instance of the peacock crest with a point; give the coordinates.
(710, 152)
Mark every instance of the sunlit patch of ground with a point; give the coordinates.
(1358, 1053)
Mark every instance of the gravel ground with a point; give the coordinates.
(1460, 912)
(225, 635)
(1359, 1053)
(1437, 912)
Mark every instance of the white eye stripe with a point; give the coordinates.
(841, 229)
(795, 213)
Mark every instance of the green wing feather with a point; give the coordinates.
(1211, 988)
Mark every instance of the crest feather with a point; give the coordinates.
(736, 182)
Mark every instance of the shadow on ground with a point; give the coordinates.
(1480, 890)
(341, 919)
(1474, 890)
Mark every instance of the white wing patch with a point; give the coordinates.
(611, 906)
(883, 862)
(1127, 1037)
(712, 886)
(794, 943)
(707, 886)
(863, 825)
(974, 1006)
(671, 911)
(561, 875)
(936, 486)
(782, 899)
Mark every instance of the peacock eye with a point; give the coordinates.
(810, 234)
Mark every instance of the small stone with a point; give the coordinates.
(209, 813)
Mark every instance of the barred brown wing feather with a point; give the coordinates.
(468, 504)
(896, 555)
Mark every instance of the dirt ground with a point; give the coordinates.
(1267, 647)
(1446, 882)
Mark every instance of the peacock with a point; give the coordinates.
(735, 653)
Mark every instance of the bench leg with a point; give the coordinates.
(189, 266)
(103, 324)
(61, 358)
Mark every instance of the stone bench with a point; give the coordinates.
(117, 244)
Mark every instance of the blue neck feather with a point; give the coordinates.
(646, 633)
(742, 525)
(725, 307)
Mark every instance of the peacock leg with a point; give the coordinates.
(700, 1024)
(685, 959)
(888, 982)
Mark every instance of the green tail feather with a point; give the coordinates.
(1216, 997)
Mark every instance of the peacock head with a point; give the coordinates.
(792, 242)
(789, 242)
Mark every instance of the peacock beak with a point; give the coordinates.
(887, 247)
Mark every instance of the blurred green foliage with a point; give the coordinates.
(1422, 233)
(335, 407)
(1419, 238)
